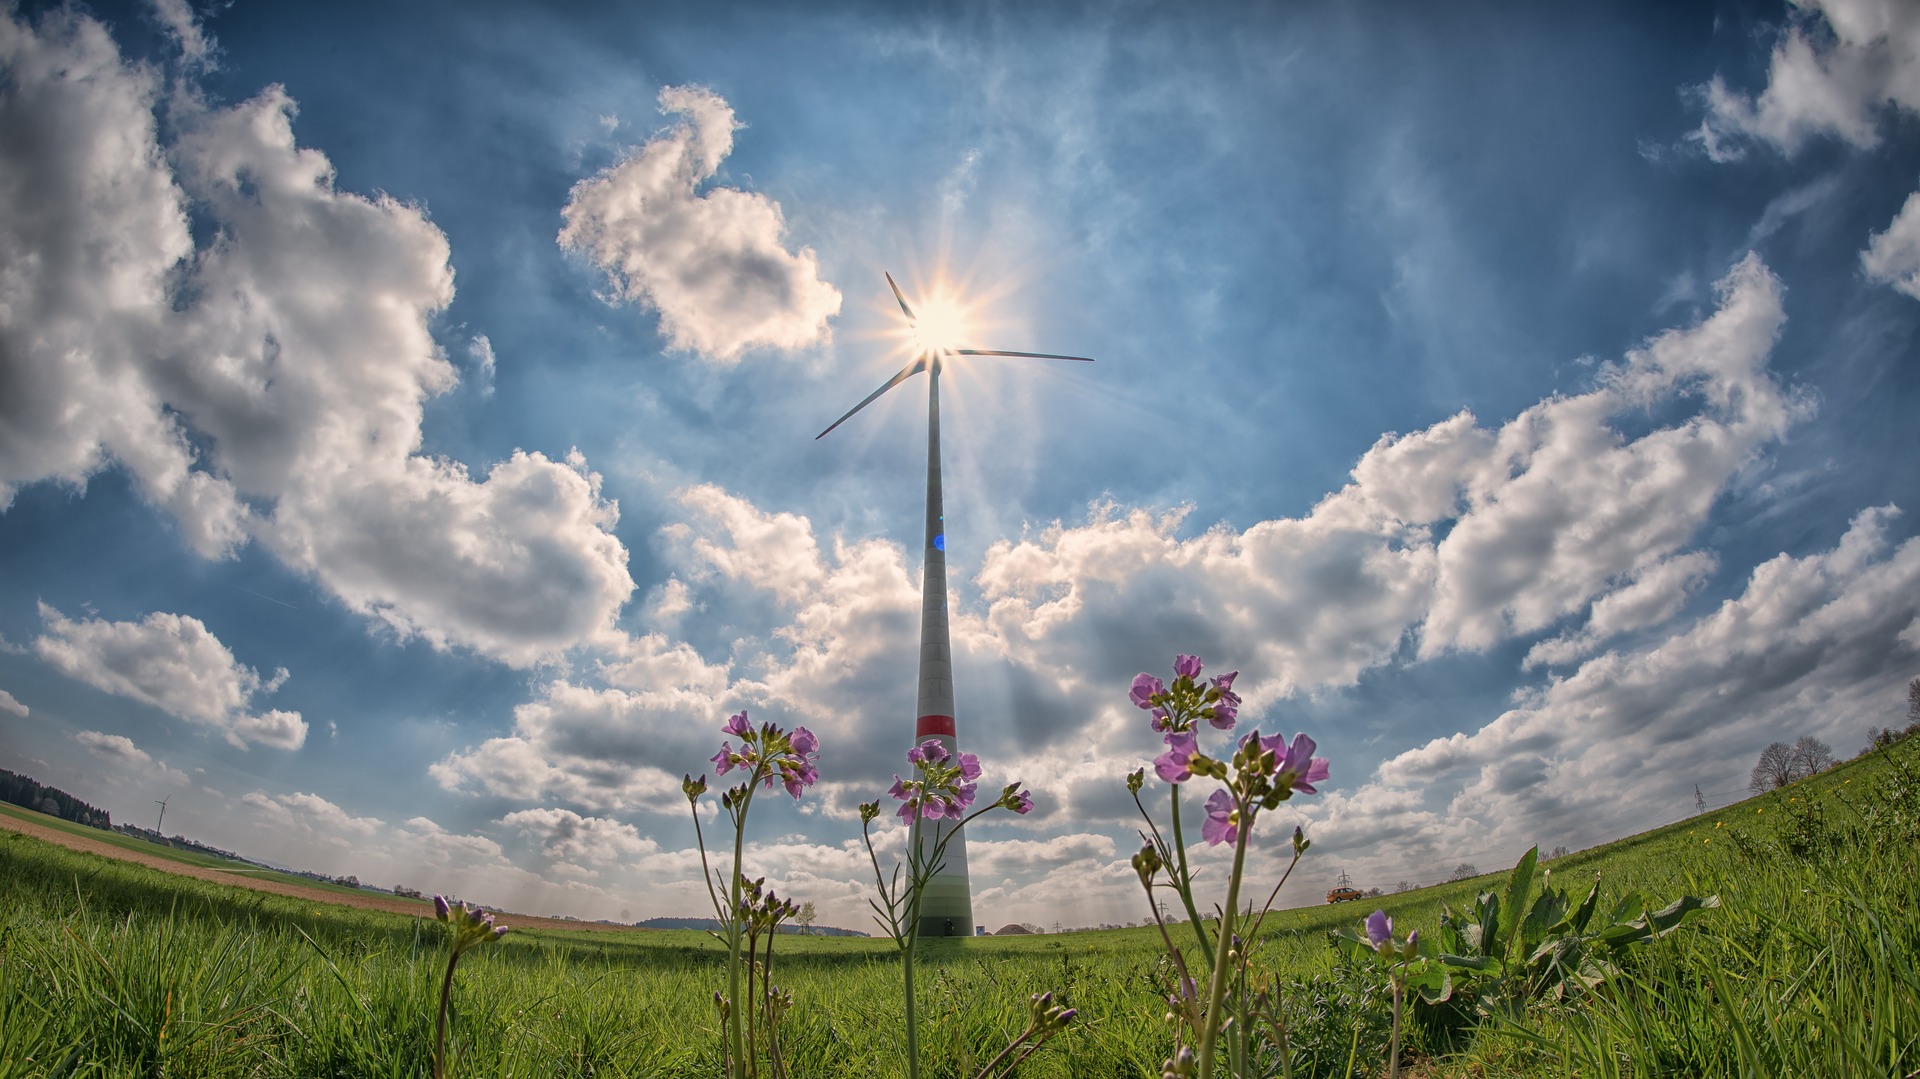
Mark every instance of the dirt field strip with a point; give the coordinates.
(238, 878)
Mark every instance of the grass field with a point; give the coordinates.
(175, 854)
(1808, 968)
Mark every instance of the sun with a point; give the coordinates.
(941, 323)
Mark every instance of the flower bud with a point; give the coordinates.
(869, 810)
(440, 907)
(693, 788)
(1411, 948)
(1136, 779)
(1146, 864)
(1300, 841)
(720, 1003)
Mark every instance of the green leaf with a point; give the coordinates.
(1630, 907)
(1668, 918)
(1488, 909)
(1519, 885)
(1479, 964)
(1579, 919)
(1548, 911)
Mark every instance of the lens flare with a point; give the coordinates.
(941, 323)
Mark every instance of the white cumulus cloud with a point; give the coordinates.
(268, 384)
(121, 752)
(174, 663)
(713, 263)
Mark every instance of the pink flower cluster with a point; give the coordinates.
(770, 754)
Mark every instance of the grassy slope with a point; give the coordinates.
(175, 854)
(311, 990)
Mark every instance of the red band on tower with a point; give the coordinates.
(930, 725)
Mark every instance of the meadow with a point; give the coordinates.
(1809, 966)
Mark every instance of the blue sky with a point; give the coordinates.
(407, 415)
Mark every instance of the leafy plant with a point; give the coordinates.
(1508, 959)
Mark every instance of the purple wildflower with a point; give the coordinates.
(723, 761)
(738, 726)
(1187, 666)
(1224, 683)
(1223, 716)
(1300, 769)
(969, 767)
(1223, 819)
(1021, 803)
(1174, 765)
(1161, 720)
(1145, 688)
(803, 741)
(440, 907)
(1379, 928)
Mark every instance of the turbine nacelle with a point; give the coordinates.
(928, 358)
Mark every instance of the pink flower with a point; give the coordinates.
(803, 741)
(1145, 688)
(1295, 766)
(1021, 802)
(1379, 928)
(1223, 716)
(1224, 683)
(1223, 820)
(738, 726)
(723, 760)
(1301, 769)
(1187, 666)
(1172, 765)
(969, 767)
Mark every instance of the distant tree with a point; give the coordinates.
(1375, 892)
(806, 916)
(1403, 886)
(1774, 770)
(1463, 871)
(1030, 927)
(1558, 852)
(1811, 756)
(1913, 701)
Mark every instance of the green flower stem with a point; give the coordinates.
(1399, 993)
(440, 1025)
(1186, 882)
(917, 881)
(737, 1065)
(1217, 991)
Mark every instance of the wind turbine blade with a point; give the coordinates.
(1022, 355)
(909, 370)
(896, 295)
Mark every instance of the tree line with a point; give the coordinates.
(32, 794)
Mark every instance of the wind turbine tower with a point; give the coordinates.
(946, 906)
(162, 803)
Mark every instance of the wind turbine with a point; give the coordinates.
(946, 906)
(162, 803)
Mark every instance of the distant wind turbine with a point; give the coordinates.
(946, 907)
(162, 803)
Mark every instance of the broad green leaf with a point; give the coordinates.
(1668, 918)
(1489, 912)
(1548, 910)
(1630, 907)
(1578, 921)
(1519, 885)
